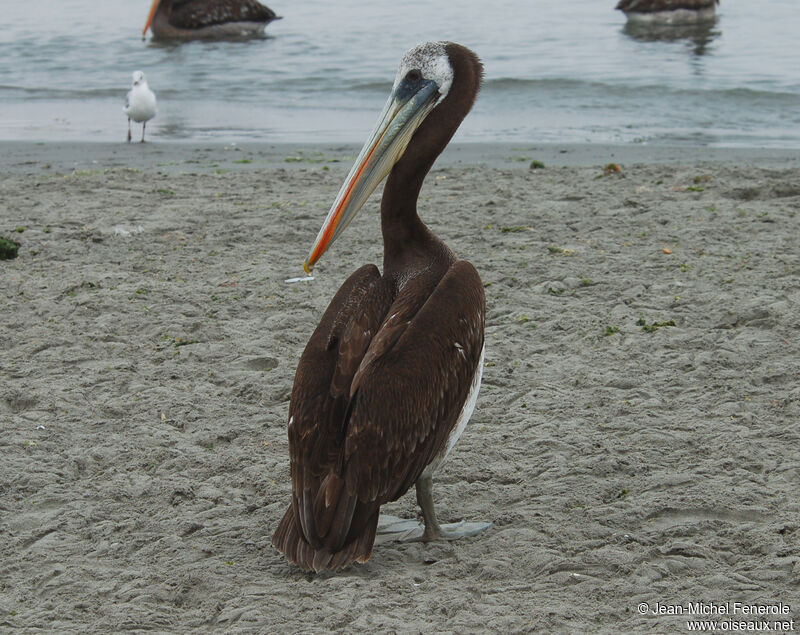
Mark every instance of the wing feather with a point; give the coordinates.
(409, 397)
(322, 505)
(196, 14)
(379, 388)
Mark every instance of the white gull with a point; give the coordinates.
(140, 104)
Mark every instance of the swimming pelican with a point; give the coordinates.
(669, 11)
(192, 19)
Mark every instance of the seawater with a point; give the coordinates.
(555, 72)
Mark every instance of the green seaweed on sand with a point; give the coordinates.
(9, 249)
(315, 157)
(652, 328)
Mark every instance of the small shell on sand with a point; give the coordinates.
(299, 279)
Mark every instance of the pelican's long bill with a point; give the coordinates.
(410, 102)
(150, 17)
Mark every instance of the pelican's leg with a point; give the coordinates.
(144, 123)
(425, 501)
(435, 531)
(406, 530)
(129, 129)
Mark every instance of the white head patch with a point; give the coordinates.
(432, 61)
(138, 77)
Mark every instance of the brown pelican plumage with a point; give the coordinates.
(668, 10)
(193, 19)
(389, 379)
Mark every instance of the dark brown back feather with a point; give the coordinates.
(196, 14)
(410, 397)
(652, 6)
(316, 525)
(356, 449)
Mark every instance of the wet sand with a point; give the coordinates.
(636, 439)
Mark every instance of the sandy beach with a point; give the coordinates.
(636, 439)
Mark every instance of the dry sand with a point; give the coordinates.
(149, 342)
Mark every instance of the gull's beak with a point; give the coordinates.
(410, 102)
(152, 13)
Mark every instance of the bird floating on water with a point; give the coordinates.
(668, 11)
(390, 376)
(194, 19)
(140, 104)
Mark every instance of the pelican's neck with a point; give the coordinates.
(407, 243)
(399, 218)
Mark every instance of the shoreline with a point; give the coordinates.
(29, 157)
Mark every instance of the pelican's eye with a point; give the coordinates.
(413, 76)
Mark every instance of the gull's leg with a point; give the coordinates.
(129, 129)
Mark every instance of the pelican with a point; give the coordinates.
(390, 376)
(192, 19)
(668, 10)
(140, 103)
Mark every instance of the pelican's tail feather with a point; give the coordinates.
(289, 540)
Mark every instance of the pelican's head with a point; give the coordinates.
(138, 78)
(423, 81)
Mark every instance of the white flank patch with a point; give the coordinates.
(463, 418)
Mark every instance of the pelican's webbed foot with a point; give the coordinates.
(408, 530)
